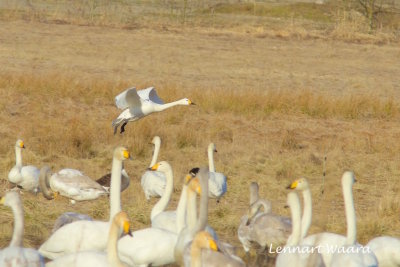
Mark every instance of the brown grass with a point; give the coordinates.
(273, 106)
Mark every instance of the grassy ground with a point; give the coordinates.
(273, 100)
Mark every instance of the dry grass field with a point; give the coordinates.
(274, 95)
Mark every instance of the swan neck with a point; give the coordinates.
(18, 156)
(211, 166)
(254, 195)
(307, 213)
(44, 181)
(296, 223)
(191, 214)
(169, 105)
(181, 209)
(18, 232)
(166, 197)
(112, 251)
(203, 213)
(115, 188)
(155, 154)
(350, 214)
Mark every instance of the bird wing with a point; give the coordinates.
(127, 99)
(150, 94)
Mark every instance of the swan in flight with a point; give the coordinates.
(120, 224)
(15, 254)
(70, 183)
(217, 181)
(26, 177)
(85, 234)
(138, 104)
(154, 182)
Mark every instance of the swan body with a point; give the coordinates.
(26, 177)
(154, 182)
(217, 181)
(88, 235)
(138, 104)
(119, 224)
(294, 254)
(15, 254)
(69, 217)
(70, 183)
(386, 250)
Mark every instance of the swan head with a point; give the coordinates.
(122, 153)
(194, 185)
(156, 140)
(20, 144)
(348, 178)
(161, 166)
(121, 219)
(187, 102)
(204, 240)
(11, 199)
(299, 184)
(212, 147)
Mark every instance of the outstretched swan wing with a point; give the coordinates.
(150, 94)
(128, 98)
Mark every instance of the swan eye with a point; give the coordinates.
(126, 154)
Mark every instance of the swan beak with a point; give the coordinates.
(55, 195)
(2, 200)
(292, 185)
(127, 229)
(193, 172)
(126, 154)
(21, 144)
(286, 206)
(154, 167)
(188, 178)
(213, 245)
(191, 103)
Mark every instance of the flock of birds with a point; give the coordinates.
(183, 235)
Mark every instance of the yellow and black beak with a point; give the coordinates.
(127, 228)
(2, 200)
(154, 167)
(126, 154)
(293, 185)
(191, 102)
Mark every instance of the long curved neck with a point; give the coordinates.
(307, 212)
(254, 196)
(211, 166)
(115, 188)
(350, 214)
(295, 211)
(181, 209)
(203, 213)
(18, 233)
(166, 197)
(256, 206)
(44, 181)
(18, 156)
(191, 214)
(155, 153)
(169, 105)
(112, 251)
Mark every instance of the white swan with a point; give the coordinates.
(303, 186)
(119, 224)
(69, 217)
(386, 250)
(330, 241)
(138, 104)
(183, 247)
(245, 226)
(15, 254)
(26, 177)
(294, 254)
(88, 235)
(217, 181)
(70, 183)
(153, 182)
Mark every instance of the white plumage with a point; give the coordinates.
(15, 254)
(386, 250)
(26, 177)
(154, 182)
(217, 181)
(138, 104)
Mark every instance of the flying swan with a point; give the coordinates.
(138, 104)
